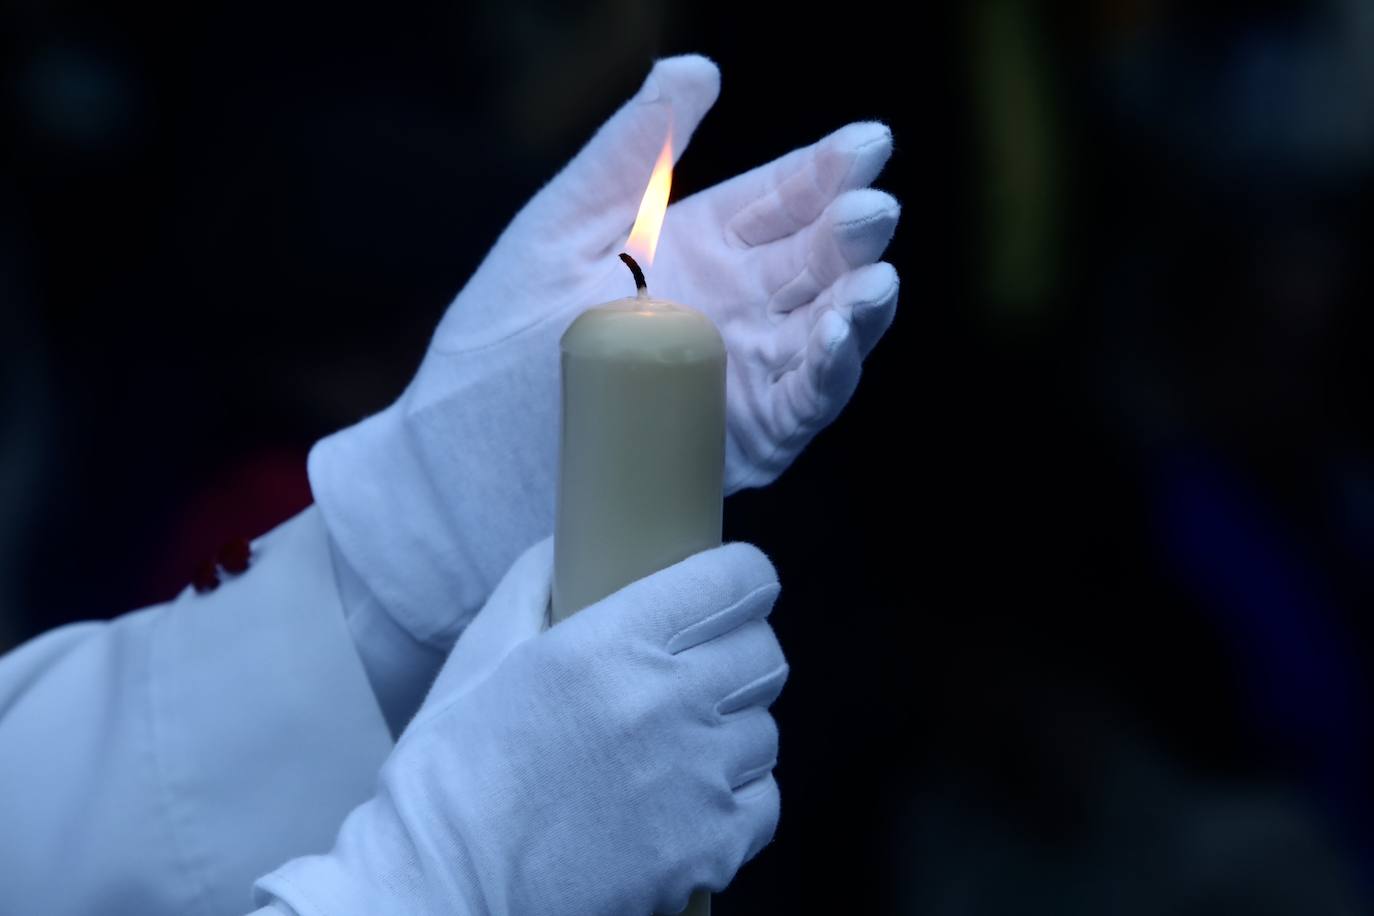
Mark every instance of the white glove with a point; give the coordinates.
(432, 499)
(608, 765)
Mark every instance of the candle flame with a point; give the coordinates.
(643, 240)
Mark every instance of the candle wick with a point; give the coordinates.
(641, 287)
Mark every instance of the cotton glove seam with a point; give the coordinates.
(678, 642)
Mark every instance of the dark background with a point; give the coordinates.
(1076, 591)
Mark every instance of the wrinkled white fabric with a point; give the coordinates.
(608, 765)
(399, 667)
(432, 499)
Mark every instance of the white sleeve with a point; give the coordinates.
(161, 762)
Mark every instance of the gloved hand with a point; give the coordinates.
(608, 765)
(432, 499)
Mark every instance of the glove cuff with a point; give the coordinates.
(324, 885)
(376, 867)
(311, 886)
(432, 499)
(389, 525)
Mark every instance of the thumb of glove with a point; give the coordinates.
(599, 190)
(516, 611)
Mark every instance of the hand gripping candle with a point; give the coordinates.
(642, 449)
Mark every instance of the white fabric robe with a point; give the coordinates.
(161, 762)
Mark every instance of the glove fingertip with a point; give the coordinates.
(730, 572)
(761, 802)
(755, 565)
(695, 73)
(832, 369)
(831, 332)
(869, 295)
(690, 85)
(878, 280)
(707, 594)
(752, 605)
(864, 208)
(865, 147)
(861, 224)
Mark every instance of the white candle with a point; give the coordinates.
(642, 457)
(642, 452)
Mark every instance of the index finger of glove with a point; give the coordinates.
(599, 190)
(702, 597)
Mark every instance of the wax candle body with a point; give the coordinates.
(642, 460)
(641, 470)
